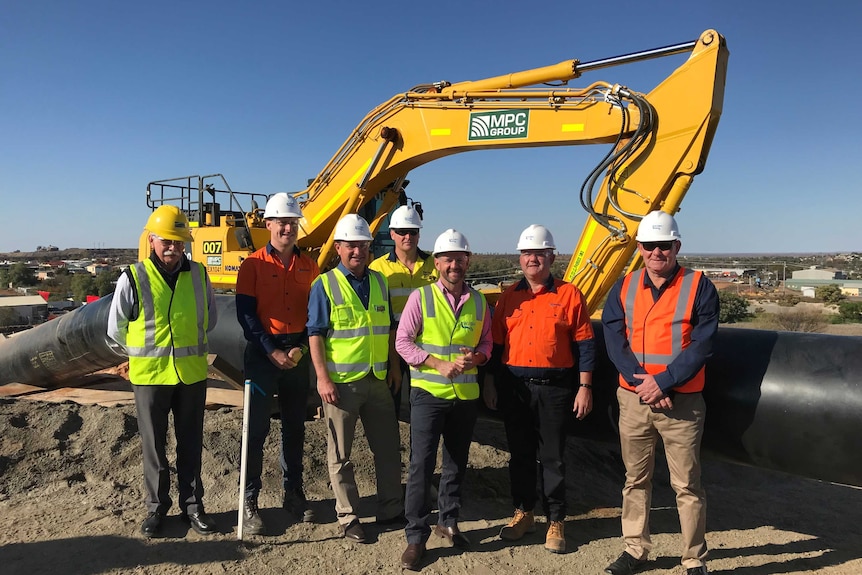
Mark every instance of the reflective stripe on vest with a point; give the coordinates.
(669, 323)
(167, 343)
(349, 352)
(443, 336)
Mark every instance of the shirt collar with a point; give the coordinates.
(549, 284)
(348, 274)
(419, 254)
(649, 283)
(270, 248)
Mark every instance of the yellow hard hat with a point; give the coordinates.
(169, 223)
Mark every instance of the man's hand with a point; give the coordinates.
(284, 360)
(327, 390)
(445, 368)
(394, 378)
(650, 393)
(583, 402)
(467, 361)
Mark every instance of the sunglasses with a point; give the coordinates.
(406, 232)
(663, 246)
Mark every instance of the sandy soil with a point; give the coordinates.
(71, 491)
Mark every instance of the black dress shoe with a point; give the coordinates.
(200, 522)
(412, 556)
(625, 565)
(453, 536)
(354, 531)
(152, 524)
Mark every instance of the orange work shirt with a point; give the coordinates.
(281, 293)
(536, 330)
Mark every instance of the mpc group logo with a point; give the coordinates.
(499, 125)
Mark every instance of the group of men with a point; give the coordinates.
(410, 320)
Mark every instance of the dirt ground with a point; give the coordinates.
(71, 492)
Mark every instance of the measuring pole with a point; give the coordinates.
(246, 411)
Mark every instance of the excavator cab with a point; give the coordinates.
(226, 225)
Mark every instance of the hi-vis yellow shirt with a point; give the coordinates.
(401, 281)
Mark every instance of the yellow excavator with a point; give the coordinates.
(658, 142)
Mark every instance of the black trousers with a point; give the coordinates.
(431, 418)
(535, 418)
(153, 404)
(291, 387)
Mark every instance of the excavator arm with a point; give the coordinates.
(659, 143)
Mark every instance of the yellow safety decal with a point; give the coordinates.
(327, 208)
(582, 247)
(573, 127)
(211, 248)
(222, 279)
(441, 131)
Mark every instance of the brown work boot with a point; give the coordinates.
(555, 540)
(523, 522)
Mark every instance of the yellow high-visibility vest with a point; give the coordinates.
(167, 342)
(443, 336)
(358, 338)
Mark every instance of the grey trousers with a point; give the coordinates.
(153, 404)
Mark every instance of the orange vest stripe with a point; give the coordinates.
(669, 323)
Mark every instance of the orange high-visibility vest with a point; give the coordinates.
(658, 331)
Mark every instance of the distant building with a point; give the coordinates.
(24, 309)
(815, 273)
(97, 268)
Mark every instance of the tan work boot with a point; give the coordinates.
(555, 540)
(523, 522)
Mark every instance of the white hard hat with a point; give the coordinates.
(352, 228)
(451, 241)
(658, 226)
(282, 205)
(536, 237)
(405, 218)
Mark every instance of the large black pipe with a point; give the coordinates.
(66, 347)
(786, 401)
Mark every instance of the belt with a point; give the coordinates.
(556, 380)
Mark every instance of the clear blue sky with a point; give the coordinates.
(100, 97)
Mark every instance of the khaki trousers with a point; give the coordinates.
(369, 400)
(681, 430)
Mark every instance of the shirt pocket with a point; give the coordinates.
(343, 317)
(554, 324)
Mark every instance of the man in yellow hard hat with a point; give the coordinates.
(406, 268)
(162, 310)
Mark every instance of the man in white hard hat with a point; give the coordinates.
(162, 311)
(444, 334)
(544, 354)
(351, 335)
(272, 307)
(406, 268)
(659, 324)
